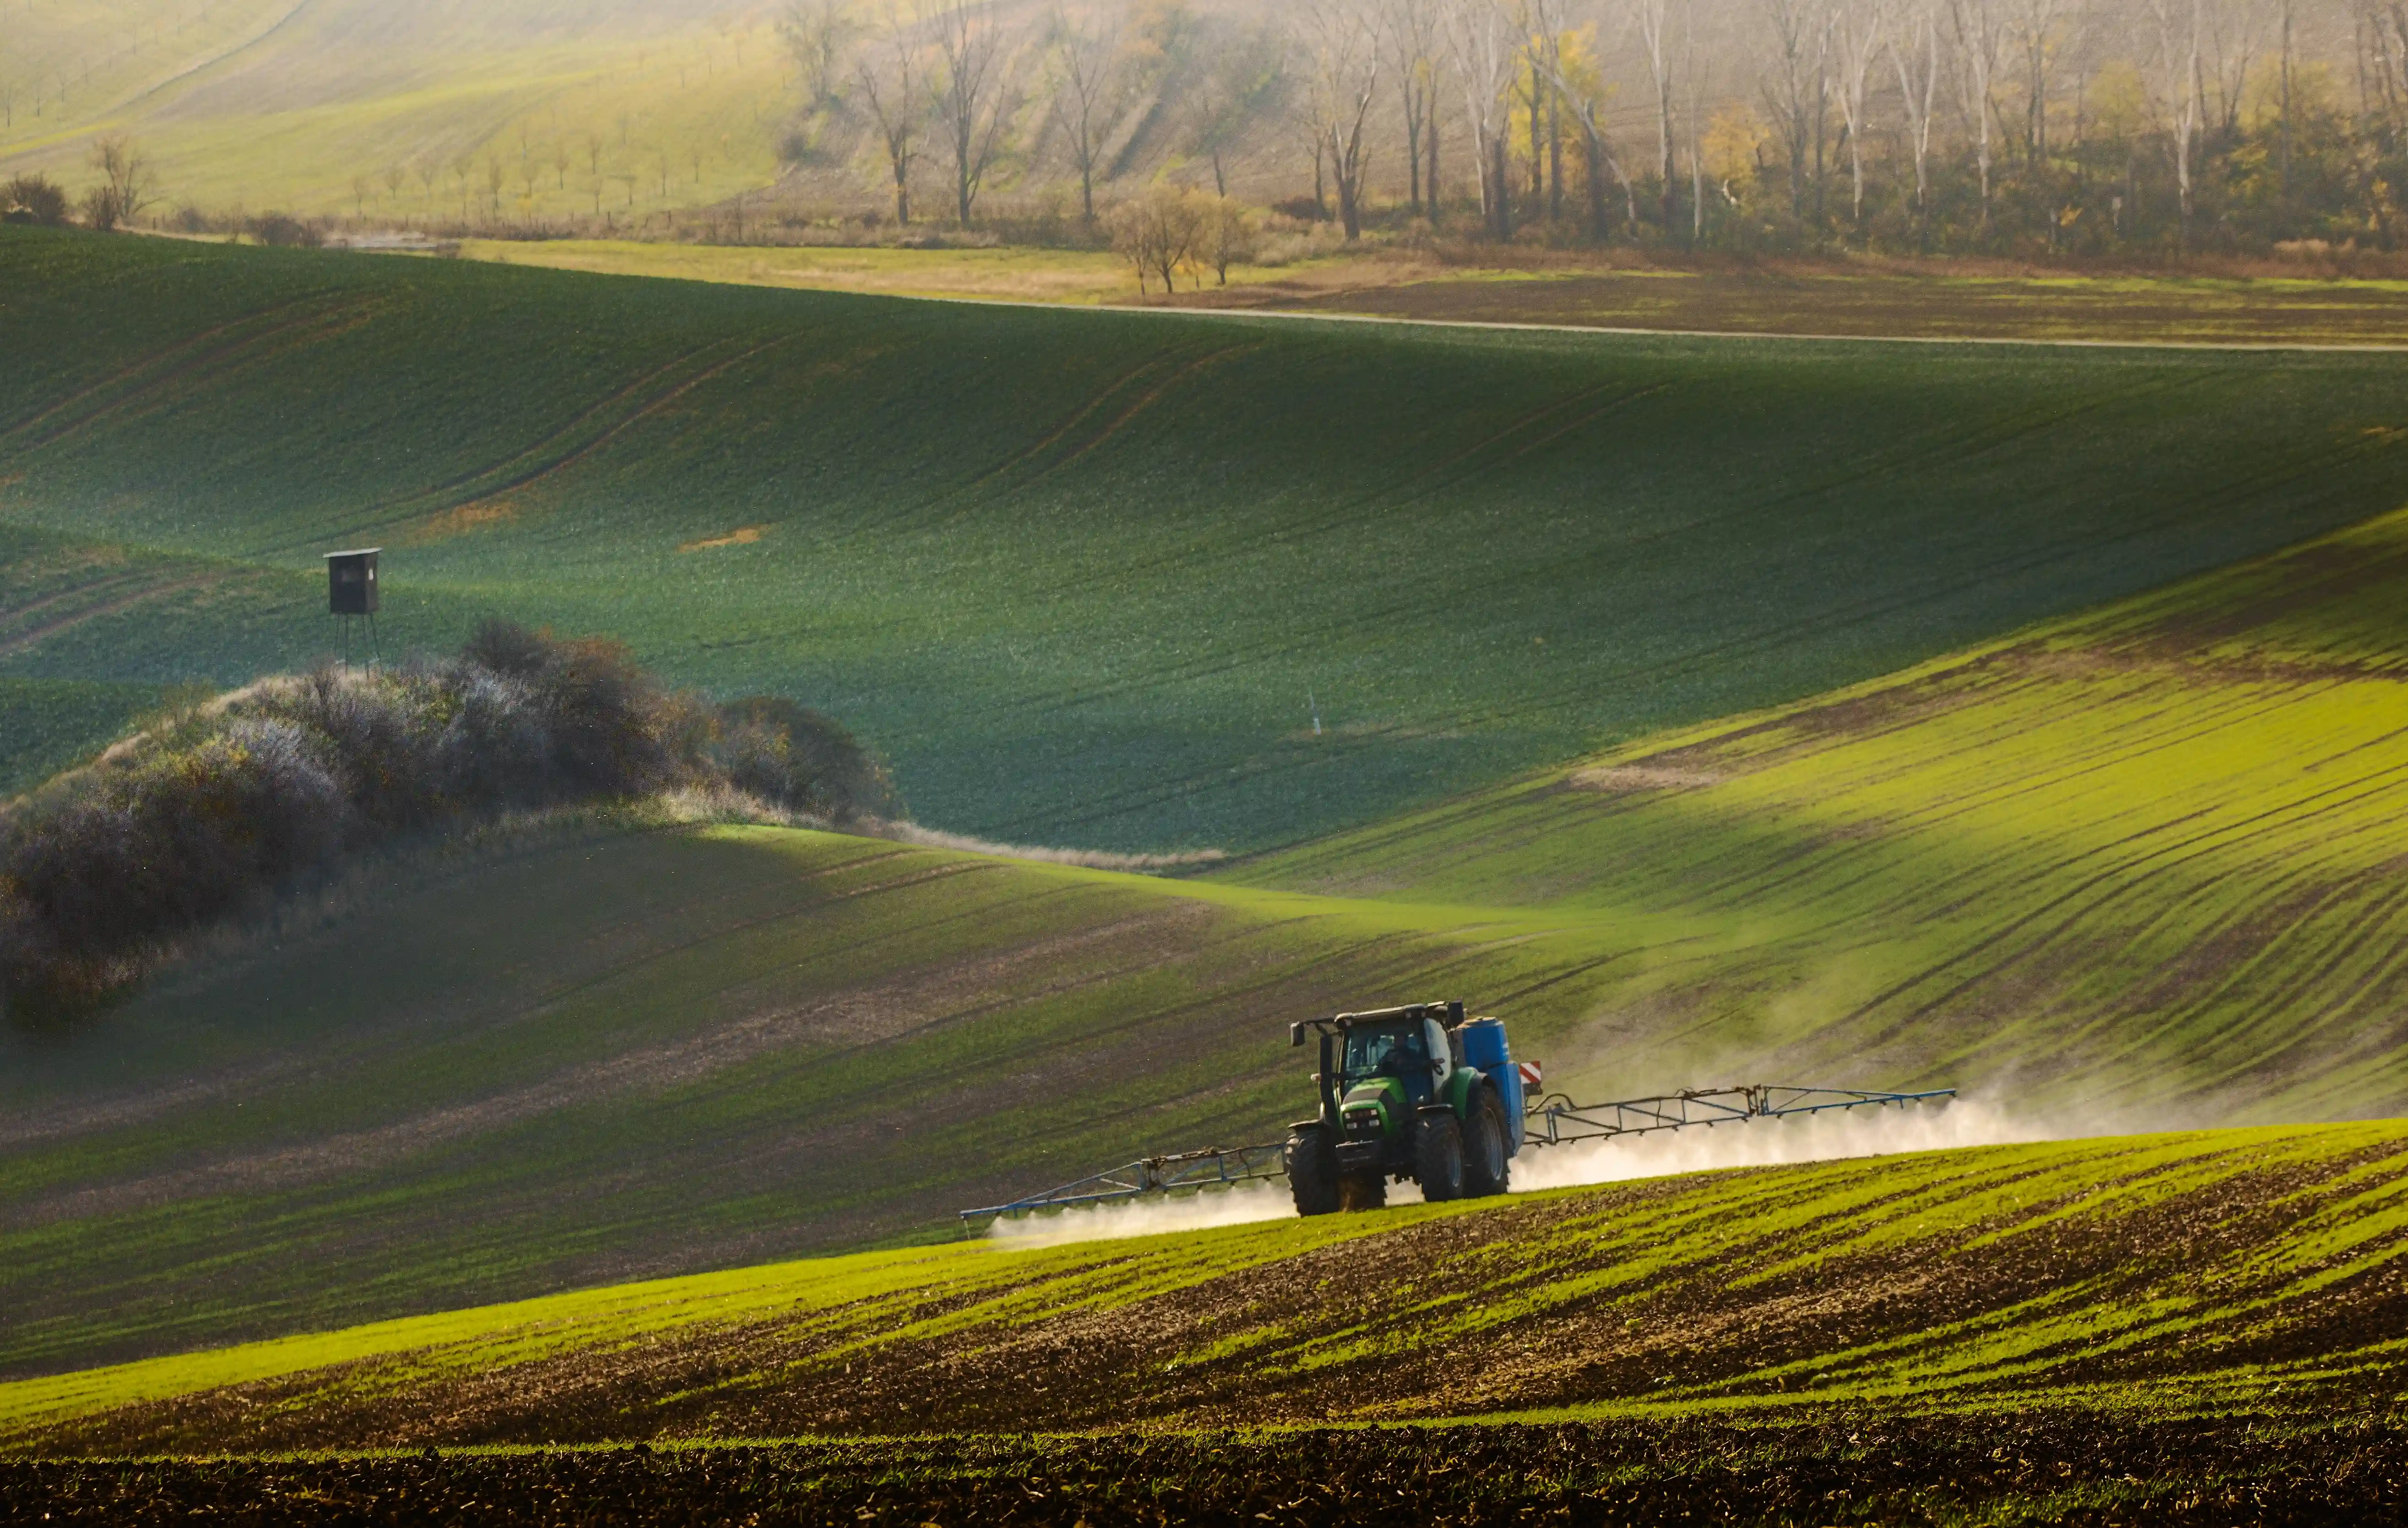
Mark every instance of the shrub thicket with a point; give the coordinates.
(212, 808)
(32, 198)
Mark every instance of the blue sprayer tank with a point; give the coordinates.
(1484, 1049)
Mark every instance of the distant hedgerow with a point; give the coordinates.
(213, 807)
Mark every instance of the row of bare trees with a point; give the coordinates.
(1659, 118)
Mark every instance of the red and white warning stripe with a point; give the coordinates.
(1530, 1079)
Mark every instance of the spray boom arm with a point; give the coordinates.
(1554, 1120)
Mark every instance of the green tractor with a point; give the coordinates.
(1416, 1093)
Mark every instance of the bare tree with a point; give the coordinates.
(2234, 32)
(1087, 87)
(1346, 79)
(893, 81)
(1587, 104)
(1158, 231)
(1652, 17)
(1483, 56)
(2035, 28)
(125, 177)
(1917, 57)
(1860, 26)
(816, 33)
(2179, 25)
(1225, 235)
(977, 99)
(1977, 47)
(1411, 38)
(1793, 89)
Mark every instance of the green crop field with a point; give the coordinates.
(2149, 855)
(1111, 580)
(2191, 1273)
(2132, 866)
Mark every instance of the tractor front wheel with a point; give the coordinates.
(1438, 1158)
(1311, 1165)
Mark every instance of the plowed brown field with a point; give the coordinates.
(1840, 1469)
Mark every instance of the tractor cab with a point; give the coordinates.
(1414, 1054)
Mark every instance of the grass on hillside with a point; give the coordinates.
(1130, 582)
(2135, 860)
(607, 1057)
(2144, 860)
(2169, 1275)
(1933, 300)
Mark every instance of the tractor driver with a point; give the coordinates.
(1401, 1053)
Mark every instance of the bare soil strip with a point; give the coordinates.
(1838, 1468)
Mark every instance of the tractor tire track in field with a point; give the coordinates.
(14, 642)
(555, 452)
(176, 363)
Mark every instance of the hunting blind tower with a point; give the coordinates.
(352, 592)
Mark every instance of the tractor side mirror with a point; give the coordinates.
(1294, 1036)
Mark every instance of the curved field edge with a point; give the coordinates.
(1087, 577)
(2167, 1275)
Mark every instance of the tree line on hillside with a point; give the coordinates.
(2019, 127)
(2025, 125)
(213, 808)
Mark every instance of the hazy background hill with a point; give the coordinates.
(2041, 130)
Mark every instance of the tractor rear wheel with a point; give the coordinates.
(1438, 1158)
(1366, 1190)
(1311, 1165)
(1485, 1165)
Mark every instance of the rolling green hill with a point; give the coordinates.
(2195, 1273)
(1113, 580)
(2138, 865)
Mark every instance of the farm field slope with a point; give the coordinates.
(1113, 580)
(2150, 858)
(2138, 865)
(604, 1053)
(2169, 1275)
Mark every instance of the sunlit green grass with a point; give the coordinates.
(2147, 859)
(1590, 1288)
